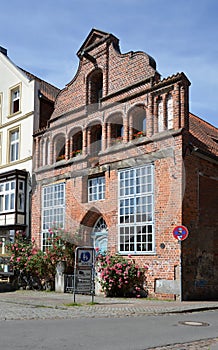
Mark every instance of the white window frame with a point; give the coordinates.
(0, 148)
(53, 211)
(14, 145)
(169, 111)
(7, 196)
(136, 210)
(21, 196)
(15, 93)
(96, 189)
(1, 102)
(160, 116)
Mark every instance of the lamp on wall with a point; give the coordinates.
(40, 95)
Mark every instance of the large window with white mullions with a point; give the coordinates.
(53, 210)
(96, 189)
(136, 212)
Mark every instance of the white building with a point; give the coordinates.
(26, 103)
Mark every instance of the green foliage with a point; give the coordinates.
(26, 256)
(120, 277)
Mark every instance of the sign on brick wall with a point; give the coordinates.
(180, 232)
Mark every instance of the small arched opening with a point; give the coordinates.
(59, 147)
(95, 86)
(137, 121)
(94, 139)
(76, 141)
(115, 129)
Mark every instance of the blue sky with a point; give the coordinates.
(44, 36)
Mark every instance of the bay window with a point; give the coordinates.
(8, 195)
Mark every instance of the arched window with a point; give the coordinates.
(169, 112)
(100, 235)
(95, 86)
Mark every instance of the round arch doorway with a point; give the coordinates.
(99, 235)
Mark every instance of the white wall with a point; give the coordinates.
(10, 77)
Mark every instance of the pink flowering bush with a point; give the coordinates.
(27, 257)
(120, 277)
(20, 251)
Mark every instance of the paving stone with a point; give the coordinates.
(48, 305)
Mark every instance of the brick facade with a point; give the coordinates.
(102, 111)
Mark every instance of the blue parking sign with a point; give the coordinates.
(85, 256)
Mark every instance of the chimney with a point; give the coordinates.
(3, 50)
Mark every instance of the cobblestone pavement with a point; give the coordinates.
(51, 305)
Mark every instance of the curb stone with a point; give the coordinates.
(207, 344)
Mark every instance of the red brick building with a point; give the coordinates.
(122, 162)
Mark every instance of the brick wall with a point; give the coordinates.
(129, 80)
(200, 206)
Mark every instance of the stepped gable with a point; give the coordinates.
(100, 50)
(203, 135)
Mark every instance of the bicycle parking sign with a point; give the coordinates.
(85, 256)
(84, 271)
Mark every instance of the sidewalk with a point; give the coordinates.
(32, 304)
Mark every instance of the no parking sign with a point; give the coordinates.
(180, 232)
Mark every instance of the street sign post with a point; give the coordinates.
(84, 271)
(180, 232)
